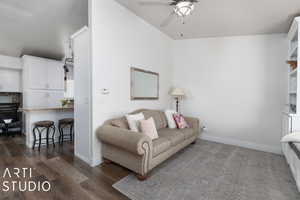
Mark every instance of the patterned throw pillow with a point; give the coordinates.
(148, 128)
(180, 122)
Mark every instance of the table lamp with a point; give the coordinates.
(177, 93)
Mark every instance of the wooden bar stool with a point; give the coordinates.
(39, 128)
(64, 123)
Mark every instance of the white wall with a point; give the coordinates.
(236, 86)
(121, 40)
(10, 62)
(82, 95)
(10, 74)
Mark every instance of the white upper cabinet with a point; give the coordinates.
(10, 74)
(55, 75)
(12, 63)
(10, 80)
(43, 82)
(42, 74)
(37, 73)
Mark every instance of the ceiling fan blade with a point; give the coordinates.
(168, 20)
(154, 3)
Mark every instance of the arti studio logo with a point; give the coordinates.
(16, 184)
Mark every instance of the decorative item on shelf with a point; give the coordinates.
(293, 108)
(292, 63)
(177, 93)
(67, 102)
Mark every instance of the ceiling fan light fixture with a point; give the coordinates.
(184, 8)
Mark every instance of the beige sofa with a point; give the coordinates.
(138, 152)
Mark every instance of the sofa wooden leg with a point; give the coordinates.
(141, 177)
(194, 142)
(106, 161)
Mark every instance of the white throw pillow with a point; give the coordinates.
(148, 128)
(293, 137)
(170, 119)
(133, 121)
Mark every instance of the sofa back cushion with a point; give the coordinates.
(134, 121)
(157, 115)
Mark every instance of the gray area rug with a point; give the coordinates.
(213, 171)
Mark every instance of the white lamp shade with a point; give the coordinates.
(177, 92)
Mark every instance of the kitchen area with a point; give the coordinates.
(34, 89)
(45, 78)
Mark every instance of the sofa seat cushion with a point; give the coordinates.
(187, 132)
(174, 136)
(160, 145)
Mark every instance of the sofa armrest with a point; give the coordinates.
(127, 140)
(193, 123)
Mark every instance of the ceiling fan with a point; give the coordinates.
(181, 8)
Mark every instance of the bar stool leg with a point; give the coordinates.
(53, 134)
(6, 130)
(47, 137)
(71, 132)
(59, 138)
(40, 139)
(62, 134)
(34, 137)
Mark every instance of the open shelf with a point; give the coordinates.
(294, 72)
(293, 60)
(294, 52)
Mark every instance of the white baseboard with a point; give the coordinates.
(96, 162)
(241, 143)
(86, 160)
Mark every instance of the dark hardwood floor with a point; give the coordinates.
(70, 178)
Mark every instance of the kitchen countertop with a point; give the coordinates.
(47, 109)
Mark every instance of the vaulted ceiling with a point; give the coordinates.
(39, 27)
(42, 28)
(213, 18)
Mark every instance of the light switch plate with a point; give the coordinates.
(104, 91)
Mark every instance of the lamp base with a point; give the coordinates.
(177, 105)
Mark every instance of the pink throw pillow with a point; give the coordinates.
(180, 122)
(148, 128)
